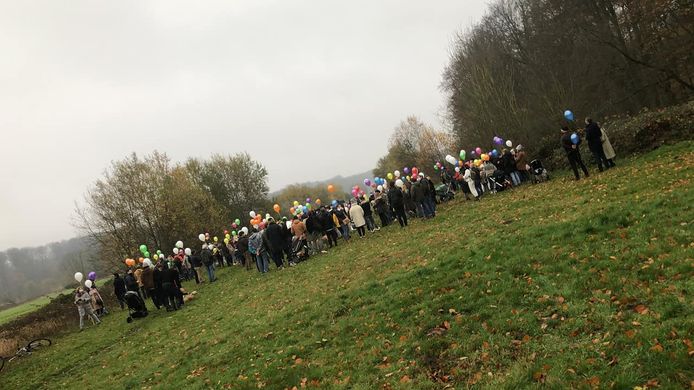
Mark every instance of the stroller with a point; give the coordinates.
(498, 181)
(136, 306)
(300, 251)
(444, 192)
(538, 171)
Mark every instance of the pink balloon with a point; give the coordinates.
(478, 150)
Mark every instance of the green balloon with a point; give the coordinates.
(233, 232)
(462, 155)
(159, 251)
(143, 248)
(238, 221)
(146, 254)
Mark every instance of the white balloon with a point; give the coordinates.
(267, 216)
(175, 251)
(147, 262)
(457, 169)
(252, 214)
(188, 252)
(380, 188)
(244, 230)
(399, 183)
(509, 143)
(452, 160)
(78, 277)
(88, 283)
(289, 224)
(179, 244)
(201, 237)
(396, 173)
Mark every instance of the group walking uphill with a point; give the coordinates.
(314, 228)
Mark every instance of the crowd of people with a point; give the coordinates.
(287, 241)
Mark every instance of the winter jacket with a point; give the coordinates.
(566, 142)
(356, 214)
(131, 283)
(366, 207)
(508, 163)
(147, 278)
(593, 136)
(521, 160)
(255, 243)
(418, 192)
(206, 257)
(274, 237)
(396, 198)
(298, 228)
(119, 286)
(313, 223)
(243, 244)
(607, 146)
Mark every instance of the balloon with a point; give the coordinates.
(188, 252)
(88, 283)
(569, 115)
(462, 154)
(318, 201)
(495, 153)
(406, 170)
(415, 171)
(175, 251)
(498, 141)
(237, 221)
(159, 251)
(436, 167)
(389, 176)
(380, 188)
(396, 173)
(179, 245)
(91, 276)
(334, 203)
(457, 169)
(156, 257)
(226, 241)
(201, 237)
(399, 183)
(227, 235)
(575, 139)
(509, 143)
(252, 214)
(215, 239)
(296, 203)
(129, 262)
(367, 182)
(408, 178)
(140, 260)
(233, 233)
(78, 277)
(244, 230)
(478, 150)
(148, 262)
(485, 157)
(143, 248)
(292, 210)
(331, 188)
(305, 209)
(451, 160)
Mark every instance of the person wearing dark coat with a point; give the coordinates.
(418, 198)
(208, 261)
(131, 282)
(275, 239)
(196, 262)
(368, 214)
(119, 289)
(594, 138)
(242, 246)
(326, 221)
(381, 208)
(397, 201)
(169, 280)
(573, 154)
(147, 278)
(431, 195)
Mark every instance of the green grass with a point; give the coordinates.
(570, 284)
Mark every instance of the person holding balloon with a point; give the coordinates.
(83, 301)
(119, 289)
(594, 138)
(570, 143)
(396, 199)
(97, 301)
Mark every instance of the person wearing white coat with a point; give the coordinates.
(470, 183)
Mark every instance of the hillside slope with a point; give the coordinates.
(571, 284)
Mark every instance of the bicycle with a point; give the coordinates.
(27, 350)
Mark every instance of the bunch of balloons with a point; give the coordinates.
(144, 251)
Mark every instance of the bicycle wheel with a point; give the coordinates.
(38, 343)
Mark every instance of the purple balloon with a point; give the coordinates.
(308, 200)
(367, 182)
(92, 276)
(406, 170)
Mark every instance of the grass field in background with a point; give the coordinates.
(567, 284)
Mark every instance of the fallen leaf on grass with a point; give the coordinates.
(475, 378)
(657, 348)
(405, 379)
(593, 381)
(641, 309)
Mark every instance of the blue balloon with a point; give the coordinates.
(495, 153)
(569, 115)
(334, 202)
(575, 139)
(305, 209)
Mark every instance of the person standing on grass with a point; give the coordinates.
(208, 262)
(381, 207)
(84, 307)
(594, 138)
(138, 274)
(131, 283)
(356, 214)
(119, 289)
(470, 184)
(242, 247)
(274, 238)
(147, 278)
(342, 221)
(196, 263)
(573, 153)
(168, 286)
(326, 221)
(97, 302)
(522, 163)
(429, 193)
(397, 202)
(607, 148)
(368, 214)
(315, 232)
(257, 247)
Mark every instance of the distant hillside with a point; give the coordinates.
(345, 182)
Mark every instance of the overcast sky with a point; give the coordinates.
(311, 89)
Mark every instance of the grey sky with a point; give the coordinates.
(83, 83)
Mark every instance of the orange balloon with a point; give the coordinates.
(318, 201)
(141, 260)
(331, 188)
(291, 210)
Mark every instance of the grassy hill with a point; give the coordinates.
(570, 284)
